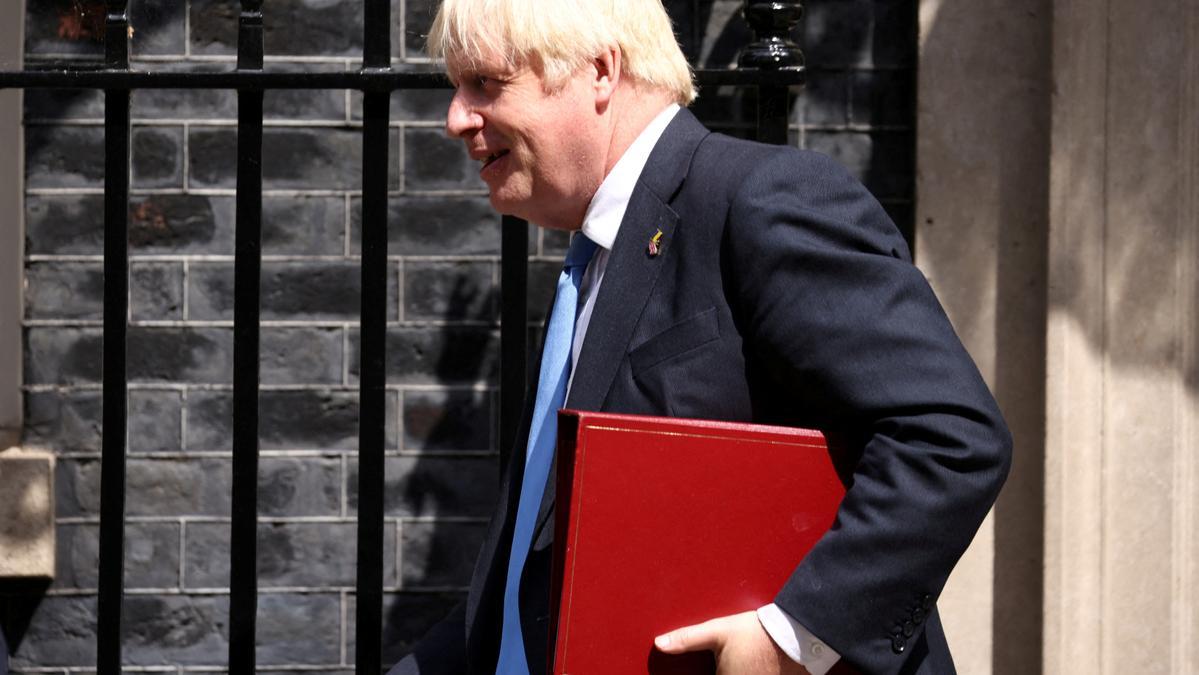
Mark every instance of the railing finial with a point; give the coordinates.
(772, 48)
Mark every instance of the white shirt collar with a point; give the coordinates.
(607, 207)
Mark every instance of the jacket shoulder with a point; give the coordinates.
(738, 158)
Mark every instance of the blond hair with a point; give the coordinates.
(560, 36)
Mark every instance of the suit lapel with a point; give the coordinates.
(632, 270)
(628, 281)
(631, 273)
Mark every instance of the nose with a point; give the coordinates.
(461, 119)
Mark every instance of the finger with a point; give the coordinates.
(706, 635)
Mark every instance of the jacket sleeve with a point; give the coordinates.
(442, 651)
(853, 333)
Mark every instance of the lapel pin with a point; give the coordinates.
(655, 244)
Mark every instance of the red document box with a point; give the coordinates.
(663, 523)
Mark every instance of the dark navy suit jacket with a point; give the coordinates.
(783, 294)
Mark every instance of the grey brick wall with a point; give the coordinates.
(442, 318)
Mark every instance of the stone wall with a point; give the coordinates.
(442, 318)
(983, 194)
(1122, 420)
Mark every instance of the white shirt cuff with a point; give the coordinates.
(796, 641)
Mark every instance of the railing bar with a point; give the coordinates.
(247, 266)
(376, 34)
(772, 115)
(116, 313)
(112, 480)
(514, 334)
(368, 650)
(374, 80)
(362, 80)
(372, 385)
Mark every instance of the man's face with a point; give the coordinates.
(540, 153)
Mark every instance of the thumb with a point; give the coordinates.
(707, 635)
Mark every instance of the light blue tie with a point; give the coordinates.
(543, 433)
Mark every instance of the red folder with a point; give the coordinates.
(665, 522)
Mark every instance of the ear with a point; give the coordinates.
(607, 75)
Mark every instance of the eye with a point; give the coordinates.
(479, 82)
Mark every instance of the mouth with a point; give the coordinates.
(491, 159)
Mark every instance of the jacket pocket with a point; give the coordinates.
(686, 335)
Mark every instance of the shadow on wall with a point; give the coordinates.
(25, 533)
(452, 427)
(19, 600)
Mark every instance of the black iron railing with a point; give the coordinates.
(771, 64)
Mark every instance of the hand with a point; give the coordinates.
(739, 643)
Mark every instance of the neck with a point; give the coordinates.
(633, 108)
(628, 113)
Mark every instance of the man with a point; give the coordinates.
(729, 280)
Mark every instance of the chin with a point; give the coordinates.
(510, 206)
(505, 207)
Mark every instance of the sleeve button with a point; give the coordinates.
(898, 645)
(908, 628)
(918, 615)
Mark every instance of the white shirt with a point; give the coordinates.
(600, 224)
